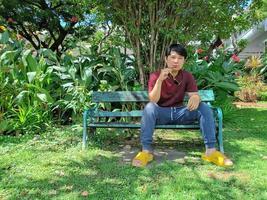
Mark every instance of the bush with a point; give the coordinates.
(216, 72)
(251, 81)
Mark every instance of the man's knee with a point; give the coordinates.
(150, 107)
(204, 108)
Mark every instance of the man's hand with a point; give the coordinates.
(193, 102)
(164, 74)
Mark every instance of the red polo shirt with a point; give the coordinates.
(173, 92)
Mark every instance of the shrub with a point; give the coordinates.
(251, 81)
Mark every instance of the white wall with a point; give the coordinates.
(255, 46)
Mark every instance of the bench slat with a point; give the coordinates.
(133, 113)
(120, 96)
(90, 117)
(128, 125)
(138, 96)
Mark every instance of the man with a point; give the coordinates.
(166, 89)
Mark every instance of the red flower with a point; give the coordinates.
(235, 58)
(206, 58)
(199, 51)
(74, 19)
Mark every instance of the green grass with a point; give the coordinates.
(53, 166)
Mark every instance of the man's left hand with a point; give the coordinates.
(193, 102)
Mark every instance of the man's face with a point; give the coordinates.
(175, 61)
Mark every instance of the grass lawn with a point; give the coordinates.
(53, 166)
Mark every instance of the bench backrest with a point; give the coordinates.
(139, 96)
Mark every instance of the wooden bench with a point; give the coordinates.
(91, 117)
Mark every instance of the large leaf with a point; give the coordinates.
(43, 91)
(87, 76)
(24, 57)
(72, 71)
(264, 69)
(117, 58)
(227, 86)
(8, 57)
(42, 97)
(31, 76)
(67, 85)
(4, 37)
(6, 126)
(32, 63)
(63, 76)
(21, 95)
(48, 53)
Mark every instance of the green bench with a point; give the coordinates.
(92, 117)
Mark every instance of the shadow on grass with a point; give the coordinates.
(104, 178)
(244, 133)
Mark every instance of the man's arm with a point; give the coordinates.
(194, 100)
(154, 95)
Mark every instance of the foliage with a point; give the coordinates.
(119, 70)
(250, 87)
(217, 74)
(36, 86)
(150, 26)
(242, 44)
(263, 69)
(262, 11)
(25, 81)
(251, 80)
(28, 119)
(46, 24)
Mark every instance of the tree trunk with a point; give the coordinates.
(139, 63)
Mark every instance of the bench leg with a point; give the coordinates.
(85, 116)
(220, 126)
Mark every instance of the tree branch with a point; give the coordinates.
(25, 34)
(110, 30)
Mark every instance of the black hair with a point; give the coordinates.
(178, 48)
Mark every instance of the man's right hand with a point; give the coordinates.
(164, 74)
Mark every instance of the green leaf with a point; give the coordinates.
(4, 125)
(32, 63)
(67, 85)
(31, 76)
(48, 53)
(8, 57)
(41, 90)
(21, 95)
(4, 37)
(263, 69)
(42, 97)
(87, 76)
(227, 86)
(72, 71)
(24, 57)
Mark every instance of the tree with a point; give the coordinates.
(262, 11)
(45, 23)
(152, 25)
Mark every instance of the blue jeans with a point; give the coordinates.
(154, 114)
